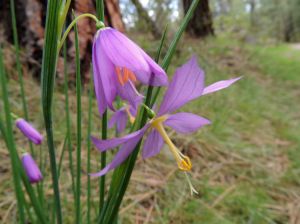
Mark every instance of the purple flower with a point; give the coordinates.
(187, 85)
(121, 116)
(30, 132)
(31, 169)
(118, 61)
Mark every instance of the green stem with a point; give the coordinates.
(19, 68)
(78, 149)
(49, 62)
(103, 162)
(100, 9)
(61, 42)
(68, 123)
(100, 15)
(89, 151)
(11, 143)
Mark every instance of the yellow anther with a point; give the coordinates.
(184, 163)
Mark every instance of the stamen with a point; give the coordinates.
(119, 75)
(184, 163)
(131, 118)
(124, 75)
(192, 189)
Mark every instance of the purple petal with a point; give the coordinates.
(119, 118)
(186, 85)
(123, 153)
(152, 145)
(219, 85)
(104, 75)
(31, 169)
(104, 145)
(159, 78)
(123, 52)
(186, 122)
(30, 132)
(129, 93)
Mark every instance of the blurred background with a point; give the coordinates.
(246, 164)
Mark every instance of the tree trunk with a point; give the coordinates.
(30, 16)
(150, 24)
(201, 24)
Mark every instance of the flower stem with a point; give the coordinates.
(61, 42)
(78, 149)
(89, 151)
(11, 143)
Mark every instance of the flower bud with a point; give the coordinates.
(31, 169)
(30, 132)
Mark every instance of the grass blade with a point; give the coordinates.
(78, 149)
(89, 151)
(11, 143)
(49, 62)
(19, 68)
(68, 123)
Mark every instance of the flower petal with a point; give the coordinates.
(159, 78)
(186, 122)
(186, 85)
(219, 85)
(123, 52)
(104, 77)
(152, 145)
(104, 145)
(123, 153)
(129, 93)
(120, 119)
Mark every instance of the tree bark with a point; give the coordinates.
(150, 24)
(201, 24)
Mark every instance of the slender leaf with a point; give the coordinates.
(49, 62)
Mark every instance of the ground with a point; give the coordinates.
(246, 164)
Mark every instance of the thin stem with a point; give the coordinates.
(19, 68)
(78, 149)
(68, 123)
(89, 151)
(61, 42)
(103, 162)
(100, 9)
(49, 62)
(11, 143)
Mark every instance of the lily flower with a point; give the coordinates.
(186, 85)
(117, 64)
(31, 169)
(30, 132)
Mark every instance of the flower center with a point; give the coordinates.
(124, 75)
(184, 163)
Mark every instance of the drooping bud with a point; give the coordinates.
(30, 132)
(31, 169)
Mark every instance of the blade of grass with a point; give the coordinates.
(100, 15)
(68, 123)
(110, 212)
(19, 68)
(89, 150)
(50, 54)
(11, 143)
(78, 148)
(62, 156)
